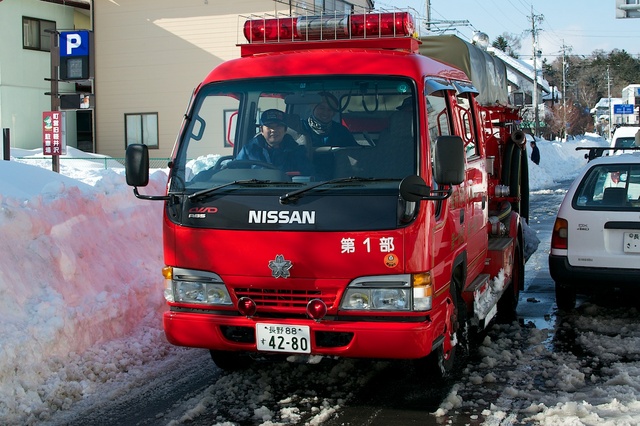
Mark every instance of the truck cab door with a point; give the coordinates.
(476, 183)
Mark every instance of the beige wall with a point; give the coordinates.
(151, 54)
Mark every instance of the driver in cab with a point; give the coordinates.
(273, 145)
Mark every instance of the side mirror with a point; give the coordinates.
(414, 188)
(137, 165)
(448, 160)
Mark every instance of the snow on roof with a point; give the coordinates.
(522, 67)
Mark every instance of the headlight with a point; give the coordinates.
(395, 299)
(356, 299)
(198, 292)
(190, 286)
(389, 293)
(382, 293)
(388, 299)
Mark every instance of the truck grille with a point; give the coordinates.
(285, 298)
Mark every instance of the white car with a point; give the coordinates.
(626, 137)
(595, 245)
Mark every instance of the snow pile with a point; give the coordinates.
(79, 268)
(546, 386)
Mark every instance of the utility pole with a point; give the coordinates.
(609, 104)
(564, 89)
(428, 16)
(535, 19)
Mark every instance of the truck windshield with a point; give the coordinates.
(298, 132)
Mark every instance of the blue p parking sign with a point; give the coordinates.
(74, 55)
(74, 43)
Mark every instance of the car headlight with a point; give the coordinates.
(198, 292)
(389, 293)
(377, 298)
(189, 286)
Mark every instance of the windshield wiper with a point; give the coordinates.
(292, 196)
(213, 189)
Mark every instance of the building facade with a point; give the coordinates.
(631, 96)
(25, 66)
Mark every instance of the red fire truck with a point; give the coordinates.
(391, 243)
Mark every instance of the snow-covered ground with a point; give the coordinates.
(81, 285)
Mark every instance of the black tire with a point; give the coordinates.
(439, 365)
(515, 174)
(508, 303)
(565, 297)
(231, 361)
(524, 188)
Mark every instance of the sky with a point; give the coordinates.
(80, 313)
(581, 25)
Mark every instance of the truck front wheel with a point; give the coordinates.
(509, 301)
(440, 363)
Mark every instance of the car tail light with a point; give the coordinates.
(559, 238)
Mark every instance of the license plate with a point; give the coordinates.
(631, 242)
(283, 338)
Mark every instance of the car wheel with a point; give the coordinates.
(565, 297)
(509, 301)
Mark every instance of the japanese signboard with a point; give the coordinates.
(622, 109)
(53, 134)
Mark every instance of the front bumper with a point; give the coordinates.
(354, 339)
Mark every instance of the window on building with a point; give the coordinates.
(34, 34)
(141, 128)
(321, 6)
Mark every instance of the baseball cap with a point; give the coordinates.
(272, 116)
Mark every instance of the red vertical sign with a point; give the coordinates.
(52, 141)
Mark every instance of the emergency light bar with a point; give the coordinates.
(329, 27)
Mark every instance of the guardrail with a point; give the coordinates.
(106, 162)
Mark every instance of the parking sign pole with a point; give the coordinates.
(55, 99)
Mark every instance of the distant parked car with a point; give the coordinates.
(625, 137)
(595, 245)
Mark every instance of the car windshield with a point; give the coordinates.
(297, 132)
(609, 187)
(625, 142)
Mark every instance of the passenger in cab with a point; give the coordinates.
(322, 129)
(275, 146)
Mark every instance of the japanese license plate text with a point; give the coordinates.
(631, 242)
(283, 338)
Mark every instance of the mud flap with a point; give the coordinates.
(485, 301)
